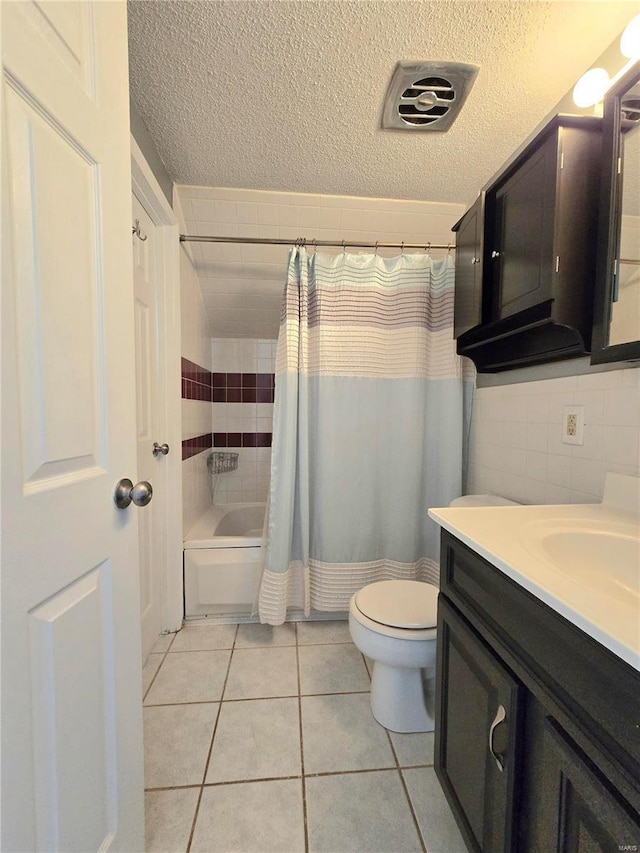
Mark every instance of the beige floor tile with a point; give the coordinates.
(332, 669)
(189, 677)
(413, 749)
(176, 744)
(256, 739)
(251, 817)
(360, 813)
(314, 633)
(195, 638)
(168, 819)
(251, 635)
(260, 673)
(339, 733)
(437, 824)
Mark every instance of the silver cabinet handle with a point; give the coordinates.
(495, 254)
(126, 492)
(160, 449)
(500, 717)
(475, 260)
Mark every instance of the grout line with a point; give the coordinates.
(320, 774)
(350, 772)
(247, 781)
(412, 810)
(304, 790)
(406, 792)
(206, 766)
(164, 655)
(257, 698)
(172, 787)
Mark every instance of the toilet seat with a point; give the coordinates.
(413, 603)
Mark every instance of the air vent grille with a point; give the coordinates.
(426, 95)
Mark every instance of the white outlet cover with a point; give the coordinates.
(578, 436)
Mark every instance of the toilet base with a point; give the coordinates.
(402, 699)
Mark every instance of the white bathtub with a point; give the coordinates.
(222, 561)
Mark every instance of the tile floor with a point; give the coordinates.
(261, 739)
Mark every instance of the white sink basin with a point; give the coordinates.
(604, 557)
(606, 561)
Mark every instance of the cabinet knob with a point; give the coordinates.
(475, 260)
(495, 254)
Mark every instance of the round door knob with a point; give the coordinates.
(126, 492)
(160, 449)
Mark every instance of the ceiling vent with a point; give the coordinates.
(427, 95)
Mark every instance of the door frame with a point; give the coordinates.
(147, 189)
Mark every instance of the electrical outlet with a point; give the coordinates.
(573, 425)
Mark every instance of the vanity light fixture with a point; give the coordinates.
(591, 87)
(630, 39)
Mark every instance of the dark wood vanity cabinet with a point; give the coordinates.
(468, 295)
(529, 282)
(537, 725)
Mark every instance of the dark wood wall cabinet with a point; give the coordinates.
(537, 724)
(526, 252)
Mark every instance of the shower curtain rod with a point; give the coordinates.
(302, 241)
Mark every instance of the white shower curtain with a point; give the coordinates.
(368, 427)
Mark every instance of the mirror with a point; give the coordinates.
(616, 333)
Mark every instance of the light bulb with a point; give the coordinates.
(630, 39)
(591, 87)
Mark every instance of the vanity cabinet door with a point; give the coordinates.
(469, 264)
(567, 806)
(477, 721)
(522, 258)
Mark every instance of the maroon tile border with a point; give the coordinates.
(245, 439)
(193, 446)
(198, 383)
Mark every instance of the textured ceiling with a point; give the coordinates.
(288, 95)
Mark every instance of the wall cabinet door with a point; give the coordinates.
(477, 712)
(469, 264)
(568, 807)
(522, 260)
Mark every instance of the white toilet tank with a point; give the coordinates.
(483, 500)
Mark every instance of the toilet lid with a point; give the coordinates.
(401, 604)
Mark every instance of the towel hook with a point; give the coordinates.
(448, 248)
(376, 252)
(402, 248)
(344, 247)
(428, 248)
(315, 245)
(136, 230)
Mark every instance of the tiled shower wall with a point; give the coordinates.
(196, 411)
(516, 447)
(242, 412)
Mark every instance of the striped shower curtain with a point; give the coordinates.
(368, 428)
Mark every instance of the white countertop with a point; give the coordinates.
(580, 559)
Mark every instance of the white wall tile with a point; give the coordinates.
(516, 446)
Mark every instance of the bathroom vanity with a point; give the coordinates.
(538, 685)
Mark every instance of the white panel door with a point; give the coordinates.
(149, 425)
(72, 775)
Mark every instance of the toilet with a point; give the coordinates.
(394, 624)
